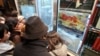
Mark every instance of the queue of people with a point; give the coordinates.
(29, 37)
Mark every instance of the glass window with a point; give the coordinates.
(27, 7)
(77, 4)
(45, 10)
(73, 17)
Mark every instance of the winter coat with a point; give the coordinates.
(34, 48)
(61, 50)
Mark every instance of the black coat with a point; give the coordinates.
(34, 48)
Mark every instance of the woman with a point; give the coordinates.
(33, 43)
(15, 32)
(5, 44)
(56, 45)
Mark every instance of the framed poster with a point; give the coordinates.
(75, 21)
(71, 26)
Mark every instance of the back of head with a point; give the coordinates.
(11, 23)
(53, 39)
(3, 28)
(35, 28)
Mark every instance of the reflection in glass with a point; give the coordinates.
(77, 4)
(46, 12)
(27, 7)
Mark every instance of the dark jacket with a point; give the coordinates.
(34, 48)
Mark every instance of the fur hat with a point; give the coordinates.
(35, 28)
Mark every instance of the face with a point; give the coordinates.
(2, 21)
(6, 36)
(20, 27)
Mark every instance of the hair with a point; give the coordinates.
(3, 28)
(7, 13)
(14, 13)
(53, 39)
(11, 23)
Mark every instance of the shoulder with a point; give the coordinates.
(60, 45)
(62, 50)
(5, 47)
(64, 46)
(51, 54)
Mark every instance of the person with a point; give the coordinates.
(21, 24)
(33, 43)
(5, 44)
(15, 32)
(56, 45)
(2, 20)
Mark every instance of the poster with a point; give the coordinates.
(71, 26)
(75, 21)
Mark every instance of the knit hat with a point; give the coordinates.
(35, 28)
